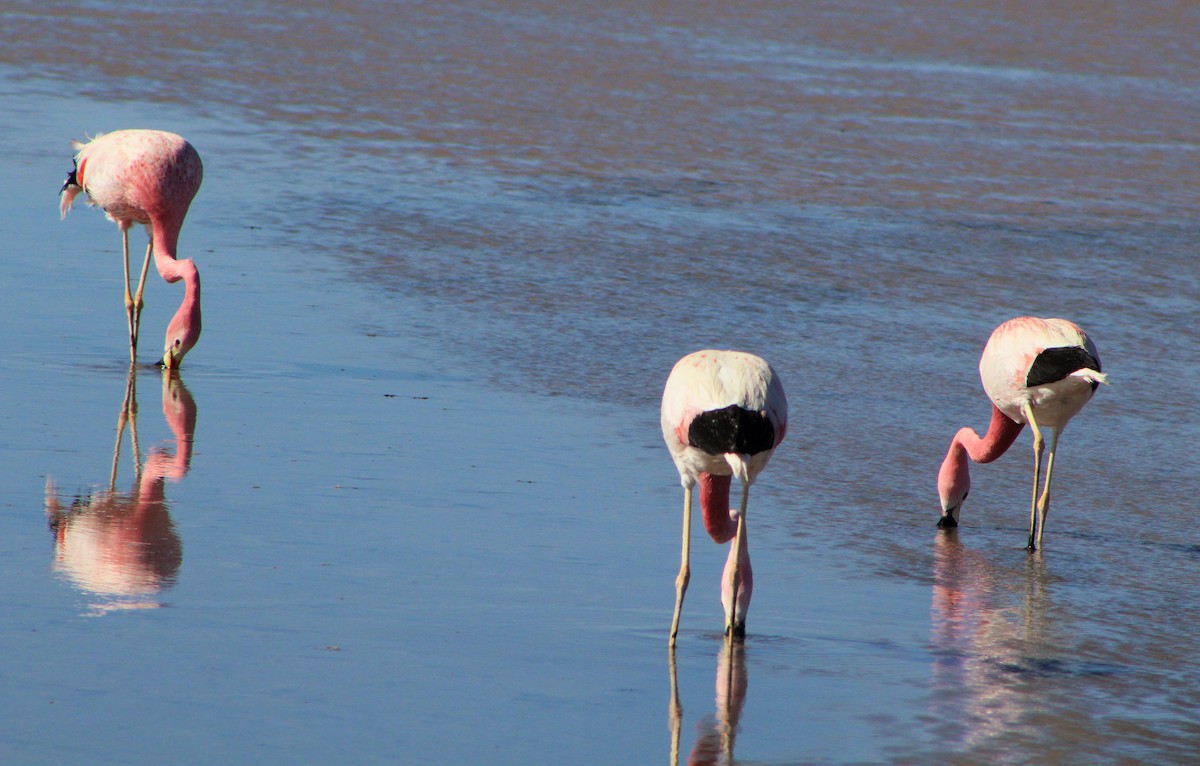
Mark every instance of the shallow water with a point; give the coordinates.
(449, 255)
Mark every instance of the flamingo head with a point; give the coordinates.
(954, 484)
(182, 334)
(184, 329)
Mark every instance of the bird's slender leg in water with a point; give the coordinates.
(735, 630)
(1038, 446)
(129, 298)
(681, 582)
(137, 298)
(1044, 502)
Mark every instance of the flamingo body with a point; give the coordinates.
(1039, 372)
(1049, 364)
(145, 177)
(723, 415)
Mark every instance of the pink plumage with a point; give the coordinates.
(1035, 371)
(723, 415)
(145, 177)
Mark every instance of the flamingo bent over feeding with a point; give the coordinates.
(147, 177)
(1035, 371)
(723, 414)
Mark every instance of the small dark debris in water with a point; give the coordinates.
(332, 648)
(390, 396)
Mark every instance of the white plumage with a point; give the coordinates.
(1036, 371)
(723, 414)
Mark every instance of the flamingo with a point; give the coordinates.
(1035, 371)
(147, 177)
(723, 414)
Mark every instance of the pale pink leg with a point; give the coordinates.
(734, 628)
(137, 298)
(129, 297)
(1044, 502)
(1038, 446)
(681, 582)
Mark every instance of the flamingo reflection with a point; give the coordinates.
(990, 643)
(717, 733)
(122, 546)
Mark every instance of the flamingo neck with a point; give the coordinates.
(184, 329)
(174, 271)
(714, 507)
(165, 235)
(1001, 433)
(954, 478)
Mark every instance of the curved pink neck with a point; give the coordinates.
(954, 477)
(166, 235)
(714, 507)
(1001, 433)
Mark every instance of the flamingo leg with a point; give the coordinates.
(129, 297)
(1044, 501)
(1038, 447)
(137, 298)
(734, 629)
(685, 574)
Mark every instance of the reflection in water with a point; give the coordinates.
(122, 546)
(718, 732)
(987, 654)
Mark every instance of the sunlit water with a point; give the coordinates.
(449, 255)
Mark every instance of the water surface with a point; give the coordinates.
(449, 254)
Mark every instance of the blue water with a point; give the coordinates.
(449, 255)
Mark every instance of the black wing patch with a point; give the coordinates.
(1054, 364)
(732, 429)
(72, 178)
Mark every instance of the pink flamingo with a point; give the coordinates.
(1035, 371)
(147, 177)
(723, 414)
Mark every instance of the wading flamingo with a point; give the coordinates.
(723, 414)
(147, 177)
(1035, 371)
